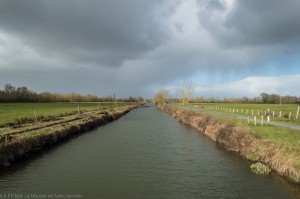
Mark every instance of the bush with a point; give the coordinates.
(260, 169)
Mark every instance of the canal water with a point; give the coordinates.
(145, 154)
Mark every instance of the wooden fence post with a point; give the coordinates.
(255, 120)
(290, 115)
(297, 112)
(35, 118)
(279, 113)
(262, 120)
(268, 119)
(248, 119)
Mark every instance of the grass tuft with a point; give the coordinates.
(252, 156)
(260, 169)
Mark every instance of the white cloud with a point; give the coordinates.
(253, 87)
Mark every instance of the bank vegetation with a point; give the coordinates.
(282, 158)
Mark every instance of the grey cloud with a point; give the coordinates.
(178, 27)
(103, 32)
(256, 22)
(212, 4)
(266, 22)
(58, 45)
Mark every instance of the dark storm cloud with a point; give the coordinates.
(133, 47)
(254, 22)
(265, 22)
(100, 32)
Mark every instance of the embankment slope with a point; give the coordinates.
(239, 139)
(20, 144)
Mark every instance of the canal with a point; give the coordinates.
(145, 154)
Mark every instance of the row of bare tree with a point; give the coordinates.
(23, 94)
(185, 91)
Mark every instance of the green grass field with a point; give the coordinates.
(11, 113)
(281, 112)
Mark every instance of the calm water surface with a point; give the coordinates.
(145, 154)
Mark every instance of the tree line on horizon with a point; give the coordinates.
(263, 99)
(186, 90)
(23, 94)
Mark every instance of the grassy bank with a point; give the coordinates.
(18, 143)
(274, 146)
(288, 139)
(277, 112)
(20, 113)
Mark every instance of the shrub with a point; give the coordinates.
(260, 169)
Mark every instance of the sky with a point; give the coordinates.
(226, 48)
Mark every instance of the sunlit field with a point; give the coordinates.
(12, 113)
(283, 112)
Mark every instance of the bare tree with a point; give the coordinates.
(8, 88)
(186, 90)
(160, 97)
